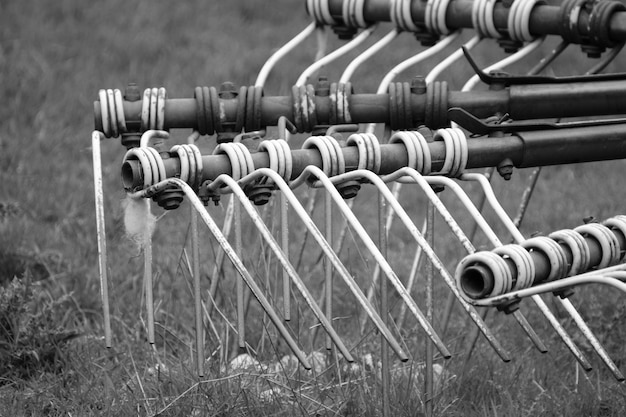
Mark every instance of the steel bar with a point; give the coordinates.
(543, 308)
(96, 137)
(326, 247)
(521, 102)
(525, 149)
(327, 184)
(275, 247)
(384, 308)
(428, 378)
(565, 302)
(232, 255)
(378, 182)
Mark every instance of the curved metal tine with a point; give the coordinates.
(197, 290)
(326, 247)
(367, 54)
(327, 184)
(613, 276)
(565, 302)
(96, 137)
(536, 299)
(427, 53)
(235, 187)
(451, 59)
(608, 276)
(371, 128)
(219, 257)
(339, 52)
(418, 179)
(484, 226)
(281, 53)
(234, 258)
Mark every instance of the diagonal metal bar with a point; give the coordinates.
(326, 247)
(96, 137)
(232, 255)
(275, 247)
(419, 238)
(566, 303)
(482, 223)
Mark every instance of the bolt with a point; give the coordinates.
(132, 93)
(349, 189)
(418, 85)
(322, 88)
(508, 308)
(227, 90)
(505, 169)
(592, 51)
(589, 219)
(344, 33)
(437, 188)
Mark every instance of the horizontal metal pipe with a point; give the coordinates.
(527, 149)
(533, 101)
(544, 20)
(477, 281)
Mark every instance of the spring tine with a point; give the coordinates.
(219, 257)
(387, 225)
(241, 304)
(280, 54)
(517, 236)
(411, 281)
(384, 306)
(480, 221)
(197, 293)
(339, 52)
(328, 268)
(310, 206)
(428, 379)
(427, 249)
(326, 247)
(526, 196)
(269, 239)
(284, 236)
(367, 54)
(147, 280)
(197, 290)
(369, 244)
(96, 137)
(451, 59)
(232, 255)
(593, 340)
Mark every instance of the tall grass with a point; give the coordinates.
(54, 56)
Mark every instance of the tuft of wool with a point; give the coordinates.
(139, 221)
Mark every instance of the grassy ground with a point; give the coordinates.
(54, 56)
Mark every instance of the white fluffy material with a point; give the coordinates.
(139, 221)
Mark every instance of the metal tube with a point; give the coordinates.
(544, 19)
(526, 149)
(520, 101)
(232, 255)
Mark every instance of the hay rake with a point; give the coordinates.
(432, 136)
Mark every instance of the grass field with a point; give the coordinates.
(54, 56)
